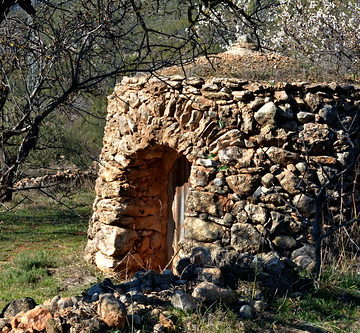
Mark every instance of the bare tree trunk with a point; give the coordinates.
(317, 230)
(11, 164)
(7, 180)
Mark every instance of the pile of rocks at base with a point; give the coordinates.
(145, 300)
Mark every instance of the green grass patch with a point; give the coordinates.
(334, 306)
(42, 244)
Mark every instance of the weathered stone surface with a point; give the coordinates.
(202, 231)
(267, 180)
(183, 301)
(201, 202)
(209, 274)
(305, 204)
(246, 238)
(229, 154)
(305, 117)
(315, 133)
(247, 312)
(256, 213)
(112, 311)
(289, 182)
(243, 183)
(284, 242)
(113, 240)
(208, 292)
(281, 156)
(267, 114)
(328, 113)
(105, 263)
(304, 257)
(33, 320)
(16, 306)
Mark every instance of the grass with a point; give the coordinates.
(333, 307)
(41, 243)
(218, 319)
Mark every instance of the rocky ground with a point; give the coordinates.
(144, 303)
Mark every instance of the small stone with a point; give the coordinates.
(229, 154)
(219, 182)
(207, 162)
(281, 96)
(16, 306)
(245, 238)
(272, 263)
(112, 311)
(200, 256)
(247, 312)
(209, 274)
(113, 240)
(32, 320)
(305, 204)
(289, 182)
(305, 117)
(228, 219)
(305, 263)
(65, 303)
(328, 113)
(183, 301)
(267, 114)
(53, 325)
(267, 180)
(208, 292)
(301, 166)
(284, 242)
(202, 231)
(305, 250)
(281, 156)
(155, 312)
(256, 213)
(259, 306)
(242, 184)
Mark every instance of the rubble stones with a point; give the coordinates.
(149, 294)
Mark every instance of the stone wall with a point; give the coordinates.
(265, 159)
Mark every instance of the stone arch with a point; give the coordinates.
(135, 227)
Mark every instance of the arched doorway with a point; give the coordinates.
(142, 221)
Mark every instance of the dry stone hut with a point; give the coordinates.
(221, 164)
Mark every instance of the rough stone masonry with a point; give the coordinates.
(258, 152)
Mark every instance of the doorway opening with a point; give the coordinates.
(158, 184)
(178, 189)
